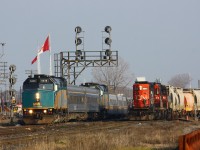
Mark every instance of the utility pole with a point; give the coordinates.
(2, 45)
(2, 72)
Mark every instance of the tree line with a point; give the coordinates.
(120, 79)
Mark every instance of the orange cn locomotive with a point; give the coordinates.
(149, 100)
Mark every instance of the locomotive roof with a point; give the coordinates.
(146, 82)
(96, 85)
(43, 76)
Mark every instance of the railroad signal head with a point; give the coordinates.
(78, 29)
(78, 53)
(108, 29)
(108, 52)
(108, 41)
(12, 93)
(12, 80)
(12, 68)
(78, 41)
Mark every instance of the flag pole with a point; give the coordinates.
(38, 59)
(50, 67)
(38, 63)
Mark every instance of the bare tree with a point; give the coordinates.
(116, 78)
(180, 80)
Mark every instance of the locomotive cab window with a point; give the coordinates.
(46, 86)
(157, 91)
(38, 83)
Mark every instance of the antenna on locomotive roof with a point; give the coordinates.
(158, 80)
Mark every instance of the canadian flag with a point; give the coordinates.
(45, 47)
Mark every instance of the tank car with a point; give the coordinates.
(196, 93)
(176, 102)
(183, 102)
(188, 100)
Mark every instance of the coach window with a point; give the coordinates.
(136, 88)
(46, 86)
(157, 91)
(151, 93)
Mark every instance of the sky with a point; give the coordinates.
(157, 38)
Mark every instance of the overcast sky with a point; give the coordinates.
(158, 38)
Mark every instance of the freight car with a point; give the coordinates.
(48, 99)
(184, 102)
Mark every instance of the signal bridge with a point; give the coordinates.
(70, 64)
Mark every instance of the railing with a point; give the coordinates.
(190, 141)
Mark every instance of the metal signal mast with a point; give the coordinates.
(70, 64)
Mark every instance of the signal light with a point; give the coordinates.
(12, 68)
(108, 41)
(108, 52)
(12, 92)
(108, 29)
(78, 41)
(78, 29)
(12, 80)
(78, 53)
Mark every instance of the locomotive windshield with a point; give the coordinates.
(164, 90)
(43, 82)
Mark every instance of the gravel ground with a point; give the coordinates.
(145, 134)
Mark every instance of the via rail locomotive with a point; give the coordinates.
(49, 99)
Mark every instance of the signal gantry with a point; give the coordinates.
(70, 64)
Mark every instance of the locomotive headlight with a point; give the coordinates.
(37, 96)
(45, 111)
(30, 111)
